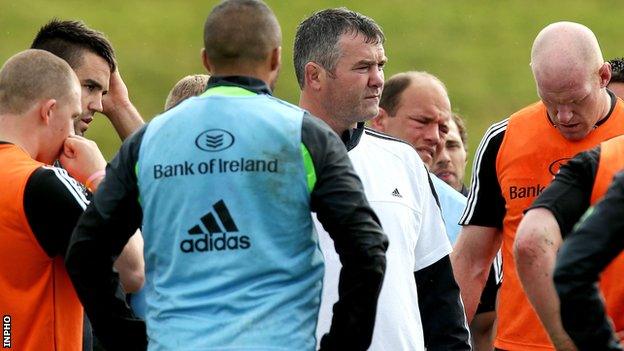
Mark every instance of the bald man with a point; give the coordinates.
(517, 159)
(39, 98)
(415, 107)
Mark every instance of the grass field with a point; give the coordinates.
(480, 49)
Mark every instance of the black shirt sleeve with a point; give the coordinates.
(53, 202)
(341, 206)
(101, 234)
(486, 205)
(569, 194)
(583, 255)
(442, 312)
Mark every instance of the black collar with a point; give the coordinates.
(249, 83)
(351, 137)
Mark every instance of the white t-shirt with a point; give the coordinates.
(398, 189)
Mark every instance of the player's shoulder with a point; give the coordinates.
(56, 182)
(386, 146)
(387, 142)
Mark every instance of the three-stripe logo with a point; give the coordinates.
(215, 238)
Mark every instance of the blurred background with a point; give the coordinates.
(480, 49)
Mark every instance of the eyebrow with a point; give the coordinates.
(93, 82)
(371, 62)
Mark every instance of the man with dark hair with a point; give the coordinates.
(616, 84)
(91, 56)
(339, 59)
(232, 260)
(40, 204)
(515, 161)
(451, 158)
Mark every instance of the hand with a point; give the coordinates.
(81, 158)
(117, 96)
(118, 108)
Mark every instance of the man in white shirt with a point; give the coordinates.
(339, 60)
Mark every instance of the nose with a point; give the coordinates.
(443, 155)
(96, 104)
(432, 134)
(376, 78)
(564, 114)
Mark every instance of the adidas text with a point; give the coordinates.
(215, 242)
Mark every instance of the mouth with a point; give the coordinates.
(87, 119)
(445, 175)
(568, 126)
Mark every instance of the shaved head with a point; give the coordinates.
(241, 32)
(571, 78)
(31, 76)
(563, 48)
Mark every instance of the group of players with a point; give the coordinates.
(205, 211)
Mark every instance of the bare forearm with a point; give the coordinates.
(471, 259)
(126, 119)
(471, 278)
(535, 251)
(131, 265)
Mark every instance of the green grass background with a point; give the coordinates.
(480, 49)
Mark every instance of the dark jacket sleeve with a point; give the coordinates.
(341, 206)
(441, 310)
(53, 203)
(583, 255)
(102, 232)
(486, 204)
(568, 195)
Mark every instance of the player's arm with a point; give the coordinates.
(480, 238)
(130, 264)
(84, 161)
(583, 255)
(53, 202)
(102, 232)
(439, 301)
(539, 237)
(339, 201)
(472, 257)
(118, 108)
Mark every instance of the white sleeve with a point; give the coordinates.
(433, 243)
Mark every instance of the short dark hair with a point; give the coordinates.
(68, 39)
(461, 127)
(617, 70)
(240, 32)
(317, 37)
(392, 91)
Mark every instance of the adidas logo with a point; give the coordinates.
(215, 238)
(396, 193)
